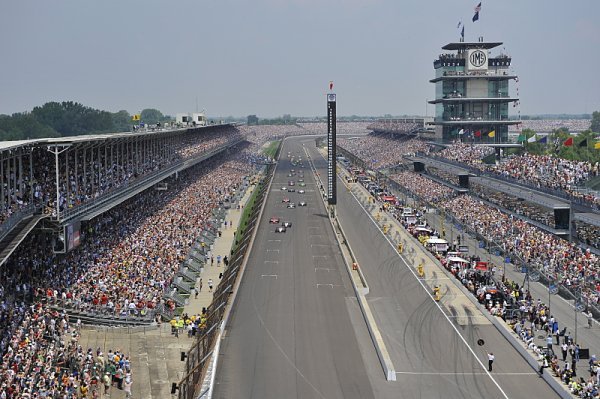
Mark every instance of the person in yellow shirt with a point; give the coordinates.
(84, 390)
(173, 323)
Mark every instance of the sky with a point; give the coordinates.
(274, 57)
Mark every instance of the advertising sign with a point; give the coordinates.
(477, 60)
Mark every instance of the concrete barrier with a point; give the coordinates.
(380, 348)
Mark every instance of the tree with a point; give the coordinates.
(122, 121)
(152, 116)
(595, 126)
(252, 120)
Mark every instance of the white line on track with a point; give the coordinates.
(466, 373)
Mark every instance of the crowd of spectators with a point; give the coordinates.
(563, 261)
(442, 174)
(466, 153)
(87, 172)
(42, 357)
(514, 204)
(341, 128)
(528, 319)
(128, 257)
(548, 125)
(381, 151)
(588, 234)
(425, 188)
(396, 126)
(548, 171)
(541, 171)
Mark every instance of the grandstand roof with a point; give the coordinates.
(468, 45)
(7, 145)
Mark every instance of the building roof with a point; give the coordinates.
(7, 145)
(468, 45)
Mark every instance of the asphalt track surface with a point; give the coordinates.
(296, 330)
(291, 334)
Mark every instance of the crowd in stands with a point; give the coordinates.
(425, 188)
(546, 170)
(588, 234)
(43, 359)
(369, 148)
(442, 174)
(514, 204)
(341, 128)
(548, 125)
(466, 153)
(89, 172)
(541, 171)
(562, 260)
(128, 257)
(397, 126)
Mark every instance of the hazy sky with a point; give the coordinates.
(270, 57)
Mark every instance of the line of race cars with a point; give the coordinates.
(282, 226)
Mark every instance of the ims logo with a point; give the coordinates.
(478, 58)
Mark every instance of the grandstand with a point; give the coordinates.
(88, 175)
(398, 126)
(117, 232)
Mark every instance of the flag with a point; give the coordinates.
(521, 138)
(543, 140)
(568, 142)
(532, 139)
(136, 117)
(461, 131)
(597, 146)
(462, 33)
(331, 85)
(492, 133)
(583, 143)
(477, 9)
(459, 25)
(478, 133)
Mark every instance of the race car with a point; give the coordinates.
(301, 191)
(280, 229)
(285, 200)
(291, 205)
(302, 203)
(274, 220)
(286, 224)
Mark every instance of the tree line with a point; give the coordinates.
(69, 118)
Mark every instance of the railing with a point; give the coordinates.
(16, 218)
(103, 312)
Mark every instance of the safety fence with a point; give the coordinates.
(198, 356)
